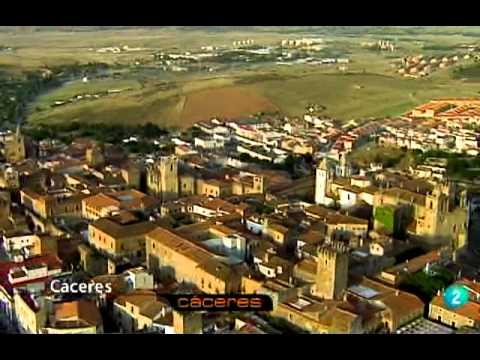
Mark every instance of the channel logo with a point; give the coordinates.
(456, 296)
(219, 302)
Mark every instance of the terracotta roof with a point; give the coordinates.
(470, 310)
(82, 311)
(342, 181)
(116, 230)
(332, 217)
(312, 237)
(117, 282)
(279, 228)
(179, 244)
(405, 195)
(416, 264)
(100, 200)
(128, 199)
(139, 298)
(400, 303)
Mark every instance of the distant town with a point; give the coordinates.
(95, 232)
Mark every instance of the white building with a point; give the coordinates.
(321, 184)
(209, 143)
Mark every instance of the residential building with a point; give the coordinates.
(121, 235)
(171, 256)
(467, 316)
(141, 311)
(74, 317)
(105, 203)
(12, 146)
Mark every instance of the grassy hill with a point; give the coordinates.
(369, 88)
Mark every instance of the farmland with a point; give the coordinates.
(367, 88)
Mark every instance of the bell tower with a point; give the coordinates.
(332, 271)
(322, 178)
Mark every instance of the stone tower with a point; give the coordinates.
(94, 156)
(332, 271)
(14, 147)
(187, 322)
(344, 169)
(321, 182)
(436, 204)
(162, 178)
(131, 174)
(5, 203)
(449, 190)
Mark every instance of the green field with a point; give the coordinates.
(368, 88)
(345, 96)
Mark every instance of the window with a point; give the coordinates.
(153, 245)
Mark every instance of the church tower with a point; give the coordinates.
(436, 207)
(344, 169)
(332, 271)
(15, 147)
(94, 156)
(322, 178)
(162, 178)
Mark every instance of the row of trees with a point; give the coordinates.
(17, 92)
(105, 133)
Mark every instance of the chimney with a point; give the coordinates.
(397, 292)
(279, 270)
(265, 257)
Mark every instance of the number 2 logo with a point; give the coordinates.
(456, 297)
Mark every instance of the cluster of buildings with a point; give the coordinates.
(384, 45)
(421, 66)
(263, 140)
(449, 125)
(243, 43)
(304, 43)
(206, 220)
